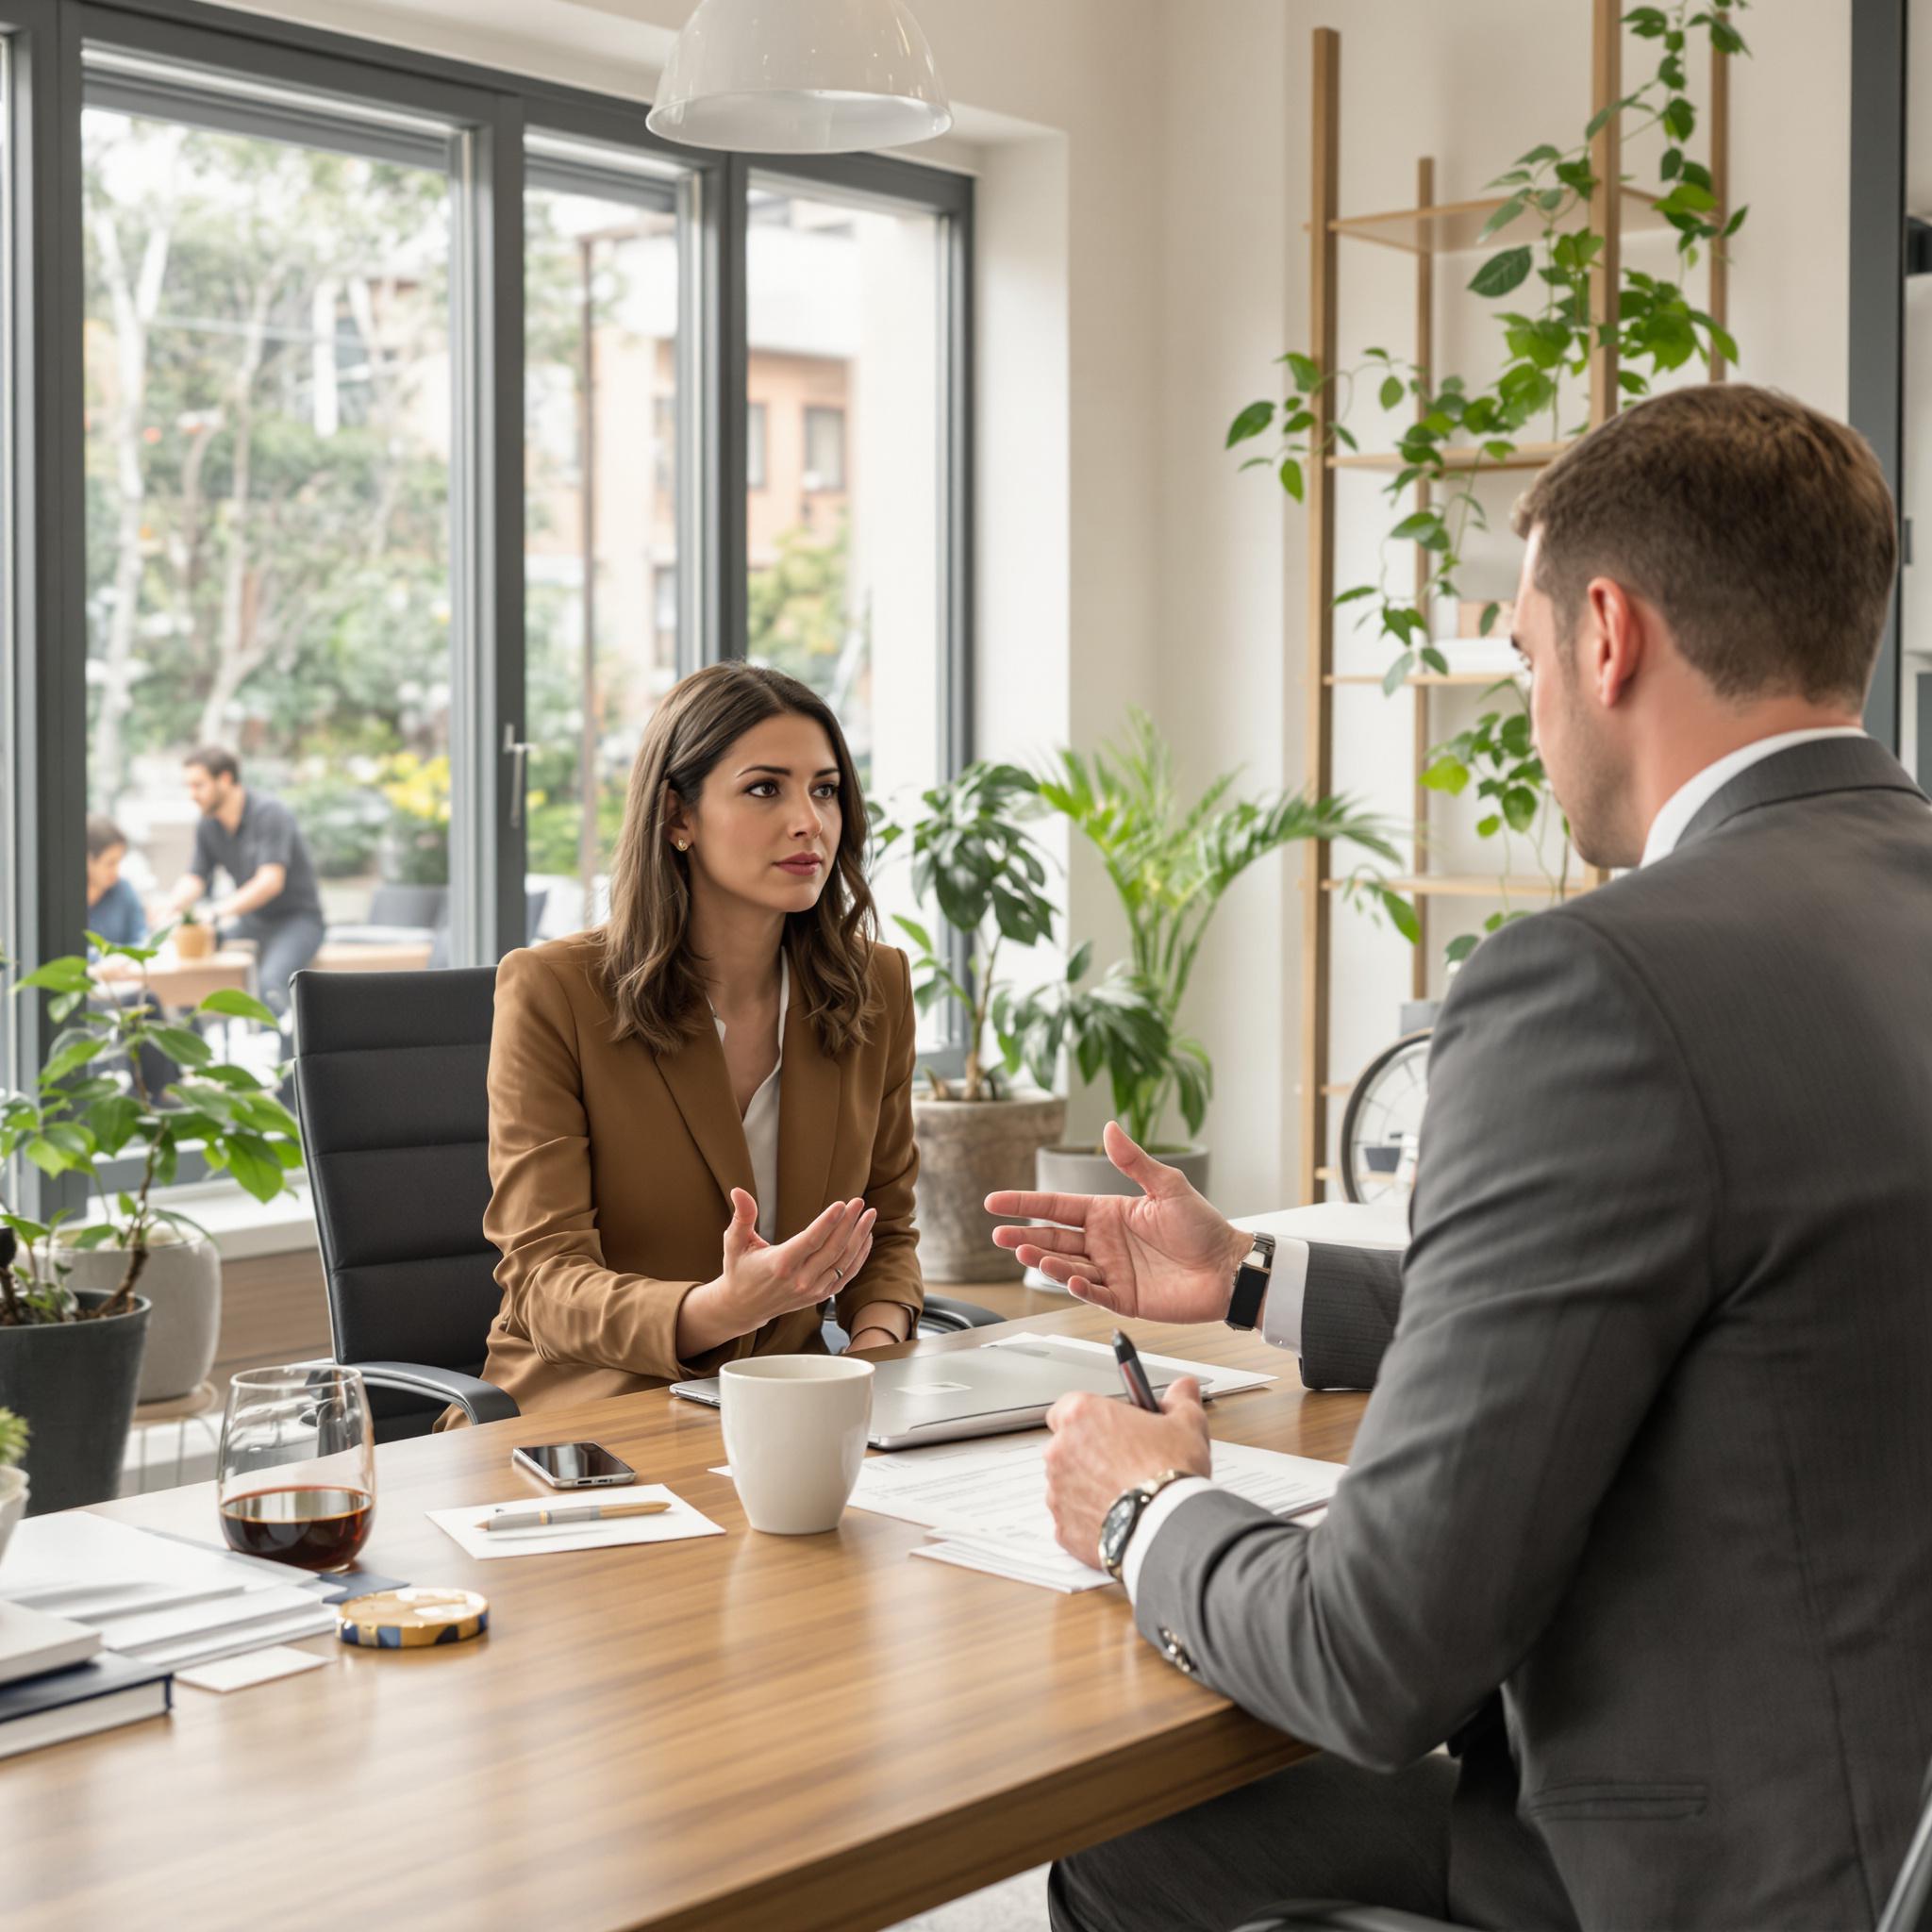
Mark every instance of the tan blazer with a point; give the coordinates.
(612, 1166)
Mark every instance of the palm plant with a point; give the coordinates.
(1172, 864)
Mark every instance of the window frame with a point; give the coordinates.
(44, 715)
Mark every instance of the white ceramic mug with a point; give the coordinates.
(795, 1431)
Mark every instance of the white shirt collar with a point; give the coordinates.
(1685, 803)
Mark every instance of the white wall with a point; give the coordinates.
(1473, 86)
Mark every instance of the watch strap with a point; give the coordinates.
(1251, 1280)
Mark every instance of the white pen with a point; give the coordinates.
(570, 1512)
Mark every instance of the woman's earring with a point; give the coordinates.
(684, 844)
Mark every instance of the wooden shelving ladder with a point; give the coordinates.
(1424, 231)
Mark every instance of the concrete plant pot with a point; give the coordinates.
(183, 1282)
(12, 1503)
(74, 1383)
(968, 1149)
(1088, 1171)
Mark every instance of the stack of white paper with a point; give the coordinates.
(986, 1503)
(158, 1598)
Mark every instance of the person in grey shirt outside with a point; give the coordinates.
(255, 840)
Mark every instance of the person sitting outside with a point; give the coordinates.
(113, 906)
(255, 840)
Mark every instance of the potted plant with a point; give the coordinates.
(194, 938)
(1171, 865)
(14, 1433)
(974, 861)
(72, 1326)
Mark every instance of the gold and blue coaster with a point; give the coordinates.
(411, 1618)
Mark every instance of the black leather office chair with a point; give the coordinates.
(1909, 1909)
(396, 1125)
(390, 1080)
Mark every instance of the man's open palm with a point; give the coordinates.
(1163, 1253)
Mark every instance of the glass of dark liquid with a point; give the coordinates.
(297, 1477)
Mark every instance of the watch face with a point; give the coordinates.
(1114, 1528)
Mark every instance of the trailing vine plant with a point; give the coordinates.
(1547, 343)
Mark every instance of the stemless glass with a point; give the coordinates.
(297, 1478)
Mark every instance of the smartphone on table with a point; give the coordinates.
(574, 1465)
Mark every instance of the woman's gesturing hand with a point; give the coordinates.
(1163, 1253)
(762, 1280)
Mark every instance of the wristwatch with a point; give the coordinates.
(1117, 1525)
(1251, 1281)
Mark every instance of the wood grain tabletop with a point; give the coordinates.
(742, 1730)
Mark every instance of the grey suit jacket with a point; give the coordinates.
(1650, 1447)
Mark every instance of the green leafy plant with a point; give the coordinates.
(1171, 865)
(1547, 343)
(976, 863)
(13, 1434)
(1114, 1026)
(92, 1106)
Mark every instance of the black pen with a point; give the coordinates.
(1139, 1391)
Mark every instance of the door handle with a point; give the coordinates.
(518, 753)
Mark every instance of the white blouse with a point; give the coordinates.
(761, 1117)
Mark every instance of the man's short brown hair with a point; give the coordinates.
(1761, 529)
(217, 760)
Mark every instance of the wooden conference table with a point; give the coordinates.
(738, 1731)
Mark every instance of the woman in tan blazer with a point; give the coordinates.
(701, 1112)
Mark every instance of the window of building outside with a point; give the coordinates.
(754, 447)
(267, 436)
(846, 350)
(601, 305)
(824, 449)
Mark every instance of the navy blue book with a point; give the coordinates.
(94, 1697)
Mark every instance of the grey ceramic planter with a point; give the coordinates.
(183, 1283)
(1087, 1170)
(968, 1149)
(74, 1382)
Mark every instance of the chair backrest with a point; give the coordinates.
(420, 906)
(390, 1084)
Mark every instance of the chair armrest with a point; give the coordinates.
(1331, 1916)
(482, 1402)
(946, 1316)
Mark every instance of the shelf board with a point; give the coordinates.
(1479, 679)
(1466, 886)
(1451, 227)
(1337, 1090)
(1528, 456)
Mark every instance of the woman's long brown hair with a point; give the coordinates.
(651, 975)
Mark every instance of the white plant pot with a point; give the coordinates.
(183, 1282)
(12, 1502)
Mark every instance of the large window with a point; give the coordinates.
(269, 358)
(406, 433)
(602, 307)
(847, 351)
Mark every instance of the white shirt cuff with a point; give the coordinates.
(1156, 1513)
(1287, 1283)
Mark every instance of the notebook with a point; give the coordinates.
(32, 1642)
(72, 1703)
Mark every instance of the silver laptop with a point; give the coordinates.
(970, 1391)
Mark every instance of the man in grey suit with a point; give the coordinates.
(1640, 1516)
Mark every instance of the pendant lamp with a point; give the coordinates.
(800, 77)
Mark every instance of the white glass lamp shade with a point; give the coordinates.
(800, 77)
